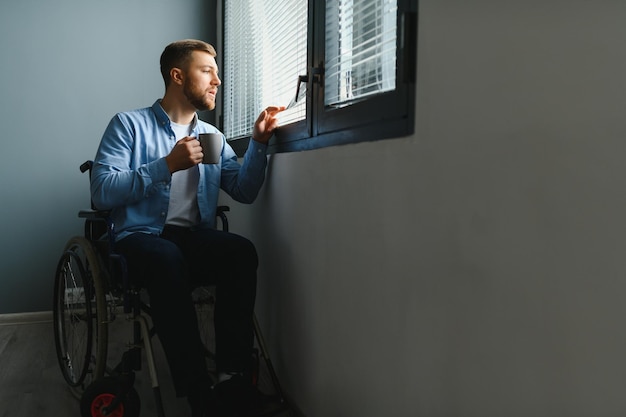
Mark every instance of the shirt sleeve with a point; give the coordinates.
(243, 182)
(115, 181)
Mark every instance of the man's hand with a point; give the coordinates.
(186, 153)
(266, 123)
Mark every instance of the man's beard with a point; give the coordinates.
(198, 100)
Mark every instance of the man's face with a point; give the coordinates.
(201, 80)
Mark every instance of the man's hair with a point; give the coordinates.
(177, 54)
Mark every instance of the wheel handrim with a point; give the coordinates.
(73, 320)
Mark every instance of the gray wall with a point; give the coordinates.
(476, 268)
(67, 67)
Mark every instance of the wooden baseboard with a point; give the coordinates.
(25, 318)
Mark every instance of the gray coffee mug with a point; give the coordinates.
(211, 147)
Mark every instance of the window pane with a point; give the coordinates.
(360, 49)
(265, 50)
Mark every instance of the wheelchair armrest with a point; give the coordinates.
(97, 224)
(103, 214)
(221, 213)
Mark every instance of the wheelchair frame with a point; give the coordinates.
(91, 286)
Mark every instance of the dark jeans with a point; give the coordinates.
(170, 266)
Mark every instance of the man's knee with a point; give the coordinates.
(149, 257)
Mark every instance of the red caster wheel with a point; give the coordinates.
(98, 397)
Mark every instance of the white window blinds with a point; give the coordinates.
(360, 49)
(265, 50)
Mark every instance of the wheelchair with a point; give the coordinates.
(91, 289)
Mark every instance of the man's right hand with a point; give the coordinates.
(186, 153)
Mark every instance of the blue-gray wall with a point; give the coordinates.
(66, 67)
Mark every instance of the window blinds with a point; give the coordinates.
(360, 49)
(265, 50)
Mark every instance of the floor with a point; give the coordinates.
(31, 383)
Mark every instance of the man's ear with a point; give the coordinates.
(177, 76)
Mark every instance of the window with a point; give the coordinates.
(360, 50)
(345, 68)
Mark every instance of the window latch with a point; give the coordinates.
(300, 92)
(317, 72)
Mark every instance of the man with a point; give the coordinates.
(148, 171)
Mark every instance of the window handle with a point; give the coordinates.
(300, 93)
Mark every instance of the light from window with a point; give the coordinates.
(360, 49)
(265, 50)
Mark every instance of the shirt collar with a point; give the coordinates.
(164, 119)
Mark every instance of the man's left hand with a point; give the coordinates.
(266, 123)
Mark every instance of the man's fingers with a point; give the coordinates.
(271, 111)
(275, 109)
(261, 116)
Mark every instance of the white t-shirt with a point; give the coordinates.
(183, 205)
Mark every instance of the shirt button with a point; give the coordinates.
(162, 214)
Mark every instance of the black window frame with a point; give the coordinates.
(381, 116)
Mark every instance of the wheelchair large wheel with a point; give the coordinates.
(99, 395)
(80, 314)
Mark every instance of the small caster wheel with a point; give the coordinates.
(99, 395)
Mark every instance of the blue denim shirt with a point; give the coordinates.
(130, 176)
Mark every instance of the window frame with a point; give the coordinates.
(380, 116)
